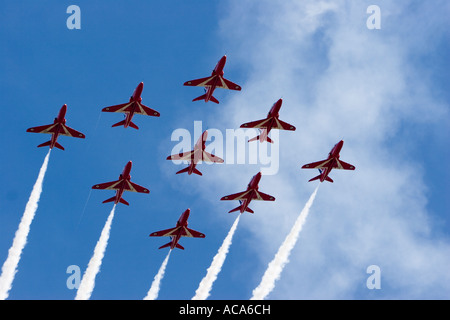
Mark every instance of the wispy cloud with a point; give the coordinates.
(339, 80)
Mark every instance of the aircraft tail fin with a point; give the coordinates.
(179, 246)
(197, 172)
(258, 138)
(120, 123)
(329, 179)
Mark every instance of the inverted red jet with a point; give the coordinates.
(332, 162)
(216, 80)
(196, 155)
(121, 185)
(57, 128)
(269, 123)
(181, 230)
(248, 195)
(134, 106)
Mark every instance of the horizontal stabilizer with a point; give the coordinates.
(213, 99)
(134, 126)
(318, 177)
(109, 200)
(122, 200)
(235, 209)
(179, 246)
(45, 144)
(166, 245)
(187, 170)
(239, 208)
(121, 123)
(257, 138)
(59, 146)
(183, 170)
(203, 97)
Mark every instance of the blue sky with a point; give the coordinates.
(383, 91)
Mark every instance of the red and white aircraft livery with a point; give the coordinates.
(216, 80)
(196, 155)
(181, 230)
(121, 185)
(269, 123)
(57, 128)
(134, 106)
(332, 162)
(248, 195)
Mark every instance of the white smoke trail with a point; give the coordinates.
(154, 289)
(88, 281)
(206, 284)
(9, 268)
(281, 258)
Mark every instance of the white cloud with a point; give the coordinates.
(338, 80)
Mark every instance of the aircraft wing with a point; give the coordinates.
(316, 165)
(236, 196)
(113, 185)
(123, 108)
(68, 131)
(50, 128)
(281, 125)
(227, 84)
(208, 157)
(184, 232)
(256, 124)
(165, 233)
(263, 196)
(133, 187)
(193, 233)
(202, 82)
(181, 156)
(344, 165)
(146, 111)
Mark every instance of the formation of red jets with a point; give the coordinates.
(135, 106)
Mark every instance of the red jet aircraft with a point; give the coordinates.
(271, 122)
(181, 230)
(250, 194)
(196, 155)
(57, 128)
(216, 80)
(134, 106)
(332, 162)
(121, 185)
